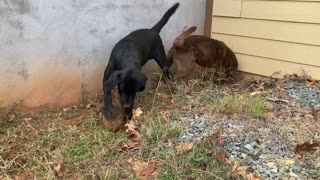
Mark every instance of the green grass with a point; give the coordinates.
(89, 151)
(240, 104)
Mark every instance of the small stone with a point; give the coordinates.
(232, 158)
(249, 163)
(274, 170)
(313, 172)
(296, 169)
(283, 169)
(230, 125)
(243, 155)
(292, 174)
(249, 148)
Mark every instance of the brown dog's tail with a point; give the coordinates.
(179, 41)
(165, 18)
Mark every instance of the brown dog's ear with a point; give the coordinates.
(179, 41)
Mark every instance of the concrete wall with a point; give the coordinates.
(52, 51)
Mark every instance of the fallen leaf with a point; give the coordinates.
(138, 166)
(165, 115)
(185, 147)
(270, 114)
(131, 129)
(27, 119)
(126, 146)
(22, 176)
(255, 93)
(66, 109)
(137, 113)
(148, 171)
(286, 162)
(306, 147)
(221, 157)
(12, 117)
(57, 168)
(252, 177)
(90, 106)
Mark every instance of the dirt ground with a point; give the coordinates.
(267, 129)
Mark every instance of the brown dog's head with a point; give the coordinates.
(179, 41)
(183, 63)
(182, 59)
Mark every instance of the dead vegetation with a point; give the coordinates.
(73, 144)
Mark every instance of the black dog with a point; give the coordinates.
(126, 60)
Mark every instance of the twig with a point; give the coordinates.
(157, 89)
(278, 100)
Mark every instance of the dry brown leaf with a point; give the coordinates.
(57, 168)
(306, 147)
(12, 117)
(270, 114)
(185, 147)
(90, 106)
(131, 129)
(165, 115)
(138, 166)
(137, 113)
(221, 157)
(253, 177)
(126, 146)
(148, 171)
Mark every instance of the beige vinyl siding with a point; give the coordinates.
(273, 36)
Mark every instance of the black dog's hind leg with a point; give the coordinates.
(160, 57)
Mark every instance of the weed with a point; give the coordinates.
(239, 105)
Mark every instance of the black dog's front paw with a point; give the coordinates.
(109, 114)
(168, 73)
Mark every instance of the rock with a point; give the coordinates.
(296, 169)
(292, 174)
(243, 155)
(313, 172)
(283, 169)
(249, 148)
(274, 169)
(230, 126)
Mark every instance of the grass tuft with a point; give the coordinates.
(241, 104)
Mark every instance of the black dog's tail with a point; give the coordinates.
(165, 18)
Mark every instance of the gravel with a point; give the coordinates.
(306, 96)
(250, 148)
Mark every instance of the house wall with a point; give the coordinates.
(271, 38)
(51, 52)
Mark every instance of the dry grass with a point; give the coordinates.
(72, 144)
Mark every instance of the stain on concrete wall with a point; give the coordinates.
(49, 50)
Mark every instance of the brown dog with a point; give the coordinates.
(190, 54)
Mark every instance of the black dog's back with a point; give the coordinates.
(126, 60)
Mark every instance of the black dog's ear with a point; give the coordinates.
(140, 78)
(115, 79)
